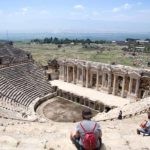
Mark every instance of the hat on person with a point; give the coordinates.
(87, 113)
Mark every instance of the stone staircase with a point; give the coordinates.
(128, 110)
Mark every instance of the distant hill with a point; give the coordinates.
(92, 36)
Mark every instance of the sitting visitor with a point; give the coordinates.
(120, 115)
(87, 135)
(145, 126)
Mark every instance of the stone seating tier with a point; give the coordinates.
(23, 83)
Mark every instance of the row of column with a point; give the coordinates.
(109, 81)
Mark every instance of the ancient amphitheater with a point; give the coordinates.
(39, 108)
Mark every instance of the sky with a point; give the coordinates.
(75, 16)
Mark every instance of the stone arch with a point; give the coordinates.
(93, 77)
(106, 79)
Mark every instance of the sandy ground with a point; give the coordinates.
(61, 110)
(92, 94)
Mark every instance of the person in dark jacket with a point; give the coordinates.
(120, 115)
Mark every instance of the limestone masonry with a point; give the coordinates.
(123, 81)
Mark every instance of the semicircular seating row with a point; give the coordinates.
(22, 84)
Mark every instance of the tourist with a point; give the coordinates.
(120, 115)
(87, 130)
(145, 126)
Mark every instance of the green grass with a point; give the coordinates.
(43, 52)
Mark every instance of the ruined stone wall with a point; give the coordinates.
(124, 81)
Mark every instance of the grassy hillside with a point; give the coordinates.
(111, 53)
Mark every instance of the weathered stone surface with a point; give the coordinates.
(7, 142)
(118, 80)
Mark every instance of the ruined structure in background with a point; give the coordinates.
(127, 82)
(52, 72)
(138, 45)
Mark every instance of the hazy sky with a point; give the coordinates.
(75, 16)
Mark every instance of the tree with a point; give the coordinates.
(56, 41)
(48, 40)
(37, 41)
(88, 41)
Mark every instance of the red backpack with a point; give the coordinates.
(89, 139)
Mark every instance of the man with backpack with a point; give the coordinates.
(88, 133)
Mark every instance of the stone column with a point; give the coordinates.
(82, 76)
(137, 87)
(91, 76)
(74, 80)
(67, 73)
(123, 87)
(130, 85)
(103, 79)
(77, 74)
(61, 72)
(114, 85)
(109, 83)
(97, 80)
(87, 77)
